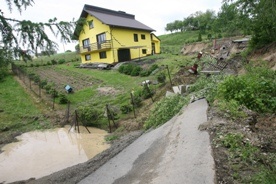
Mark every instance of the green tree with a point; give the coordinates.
(261, 14)
(5, 58)
(205, 20)
(202, 21)
(178, 25)
(169, 27)
(25, 36)
(189, 23)
(199, 37)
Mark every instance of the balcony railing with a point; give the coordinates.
(95, 47)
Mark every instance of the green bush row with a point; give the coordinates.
(52, 62)
(136, 70)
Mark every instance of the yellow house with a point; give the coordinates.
(110, 36)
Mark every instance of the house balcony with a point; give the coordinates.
(95, 47)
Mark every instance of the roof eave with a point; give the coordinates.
(150, 30)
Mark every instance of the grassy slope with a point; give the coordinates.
(109, 78)
(19, 114)
(17, 104)
(44, 60)
(179, 38)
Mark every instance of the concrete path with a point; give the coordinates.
(175, 153)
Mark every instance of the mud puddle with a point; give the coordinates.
(38, 154)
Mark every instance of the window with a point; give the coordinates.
(91, 24)
(87, 57)
(102, 55)
(144, 51)
(101, 38)
(135, 37)
(143, 37)
(86, 43)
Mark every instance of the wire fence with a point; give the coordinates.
(50, 97)
(34, 84)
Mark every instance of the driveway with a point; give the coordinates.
(175, 153)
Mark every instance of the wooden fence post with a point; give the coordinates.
(133, 105)
(107, 113)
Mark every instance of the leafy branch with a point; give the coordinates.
(31, 35)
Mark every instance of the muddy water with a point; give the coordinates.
(39, 154)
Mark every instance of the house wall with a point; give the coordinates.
(156, 41)
(99, 28)
(124, 38)
(121, 38)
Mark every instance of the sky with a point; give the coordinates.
(153, 13)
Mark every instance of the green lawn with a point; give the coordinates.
(18, 111)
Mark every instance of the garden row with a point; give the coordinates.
(35, 84)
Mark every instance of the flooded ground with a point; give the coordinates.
(38, 154)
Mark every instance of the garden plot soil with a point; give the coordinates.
(62, 77)
(107, 91)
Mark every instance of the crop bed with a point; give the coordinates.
(61, 77)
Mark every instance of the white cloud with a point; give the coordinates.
(153, 13)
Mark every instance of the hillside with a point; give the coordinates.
(231, 127)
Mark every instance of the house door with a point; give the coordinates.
(124, 55)
(152, 48)
(100, 39)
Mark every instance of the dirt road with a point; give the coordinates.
(176, 152)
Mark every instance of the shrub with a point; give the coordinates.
(63, 99)
(153, 67)
(199, 37)
(146, 92)
(89, 115)
(136, 101)
(47, 88)
(128, 69)
(125, 109)
(164, 110)
(31, 76)
(43, 83)
(136, 71)
(121, 68)
(3, 73)
(255, 90)
(144, 73)
(231, 109)
(53, 92)
(36, 79)
(54, 62)
(206, 87)
(61, 61)
(161, 77)
(76, 65)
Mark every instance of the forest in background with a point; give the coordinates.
(241, 17)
